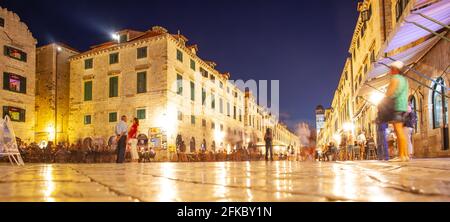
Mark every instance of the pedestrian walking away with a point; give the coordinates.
(268, 138)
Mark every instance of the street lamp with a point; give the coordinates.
(115, 37)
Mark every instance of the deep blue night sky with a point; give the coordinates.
(301, 43)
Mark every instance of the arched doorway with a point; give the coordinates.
(439, 110)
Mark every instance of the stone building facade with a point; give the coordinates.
(158, 78)
(387, 31)
(52, 80)
(18, 70)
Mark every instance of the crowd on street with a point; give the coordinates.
(395, 123)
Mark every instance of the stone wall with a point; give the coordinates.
(16, 34)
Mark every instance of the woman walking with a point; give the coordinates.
(132, 140)
(398, 92)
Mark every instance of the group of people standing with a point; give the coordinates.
(127, 138)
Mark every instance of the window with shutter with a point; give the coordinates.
(15, 114)
(88, 91)
(14, 83)
(15, 53)
(142, 82)
(114, 86)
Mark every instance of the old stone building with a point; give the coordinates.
(416, 33)
(158, 78)
(53, 80)
(18, 70)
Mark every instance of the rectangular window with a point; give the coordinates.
(213, 101)
(88, 63)
(141, 113)
(16, 114)
(123, 38)
(204, 73)
(221, 85)
(180, 116)
(221, 105)
(234, 112)
(192, 64)
(87, 119)
(142, 53)
(113, 117)
(204, 122)
(179, 55)
(192, 119)
(203, 96)
(15, 53)
(114, 58)
(213, 125)
(179, 84)
(192, 91)
(228, 110)
(88, 91)
(141, 82)
(114, 86)
(2, 22)
(221, 127)
(14, 83)
(213, 78)
(240, 115)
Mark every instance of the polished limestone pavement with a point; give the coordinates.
(418, 180)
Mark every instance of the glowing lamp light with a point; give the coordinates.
(51, 133)
(115, 37)
(376, 97)
(59, 49)
(348, 127)
(218, 136)
(337, 138)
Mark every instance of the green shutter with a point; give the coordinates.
(192, 64)
(141, 114)
(114, 58)
(23, 85)
(203, 96)
(179, 84)
(88, 91)
(142, 52)
(6, 81)
(192, 91)
(114, 86)
(112, 117)
(179, 55)
(22, 115)
(142, 82)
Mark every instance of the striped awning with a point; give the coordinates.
(408, 32)
(378, 78)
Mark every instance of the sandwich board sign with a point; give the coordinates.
(8, 144)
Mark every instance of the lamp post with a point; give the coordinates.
(58, 50)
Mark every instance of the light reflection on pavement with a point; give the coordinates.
(418, 180)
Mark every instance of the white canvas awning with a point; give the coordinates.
(409, 32)
(408, 57)
(377, 76)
